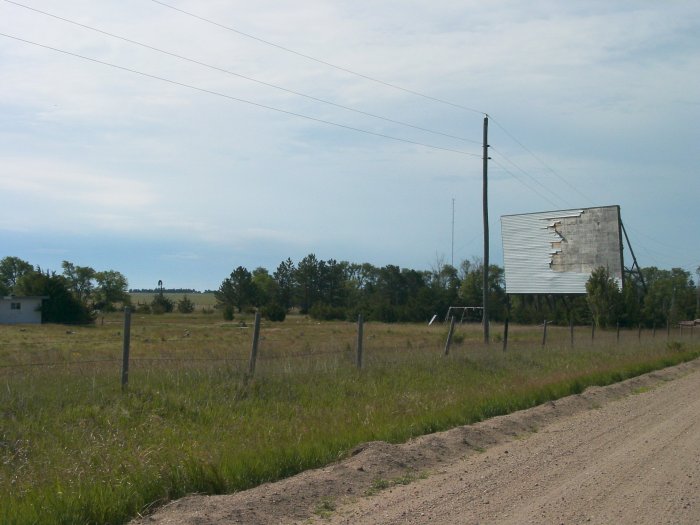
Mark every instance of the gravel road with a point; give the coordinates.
(626, 453)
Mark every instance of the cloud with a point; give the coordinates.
(51, 194)
(605, 93)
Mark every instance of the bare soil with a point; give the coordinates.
(625, 453)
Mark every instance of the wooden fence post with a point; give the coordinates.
(571, 332)
(449, 335)
(618, 332)
(126, 345)
(544, 333)
(360, 330)
(505, 334)
(592, 332)
(254, 349)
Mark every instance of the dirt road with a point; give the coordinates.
(627, 453)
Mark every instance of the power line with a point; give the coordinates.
(523, 182)
(256, 104)
(251, 79)
(588, 199)
(373, 79)
(534, 179)
(318, 60)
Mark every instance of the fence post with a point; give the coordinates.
(360, 329)
(505, 334)
(653, 330)
(449, 335)
(668, 328)
(618, 332)
(254, 349)
(571, 332)
(592, 332)
(544, 334)
(127, 342)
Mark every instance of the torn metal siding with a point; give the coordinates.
(555, 252)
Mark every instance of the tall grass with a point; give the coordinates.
(75, 449)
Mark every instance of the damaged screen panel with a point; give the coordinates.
(555, 252)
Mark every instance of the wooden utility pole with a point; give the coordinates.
(485, 319)
(453, 234)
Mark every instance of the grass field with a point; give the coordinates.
(200, 300)
(74, 448)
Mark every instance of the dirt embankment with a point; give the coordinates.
(626, 453)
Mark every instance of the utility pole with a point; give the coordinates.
(485, 319)
(697, 302)
(453, 233)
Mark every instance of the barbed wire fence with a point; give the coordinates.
(573, 336)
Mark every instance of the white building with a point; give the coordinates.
(16, 310)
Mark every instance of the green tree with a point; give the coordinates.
(11, 270)
(603, 296)
(670, 295)
(284, 277)
(237, 290)
(61, 306)
(112, 287)
(265, 287)
(471, 289)
(307, 278)
(80, 280)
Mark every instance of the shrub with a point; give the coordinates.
(324, 312)
(143, 308)
(161, 304)
(228, 312)
(185, 306)
(274, 312)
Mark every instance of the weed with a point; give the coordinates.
(191, 421)
(325, 508)
(378, 484)
(675, 346)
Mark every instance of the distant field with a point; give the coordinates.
(74, 448)
(200, 300)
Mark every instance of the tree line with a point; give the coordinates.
(329, 289)
(73, 296)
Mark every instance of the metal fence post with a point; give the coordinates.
(505, 334)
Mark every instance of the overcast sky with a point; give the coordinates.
(592, 103)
